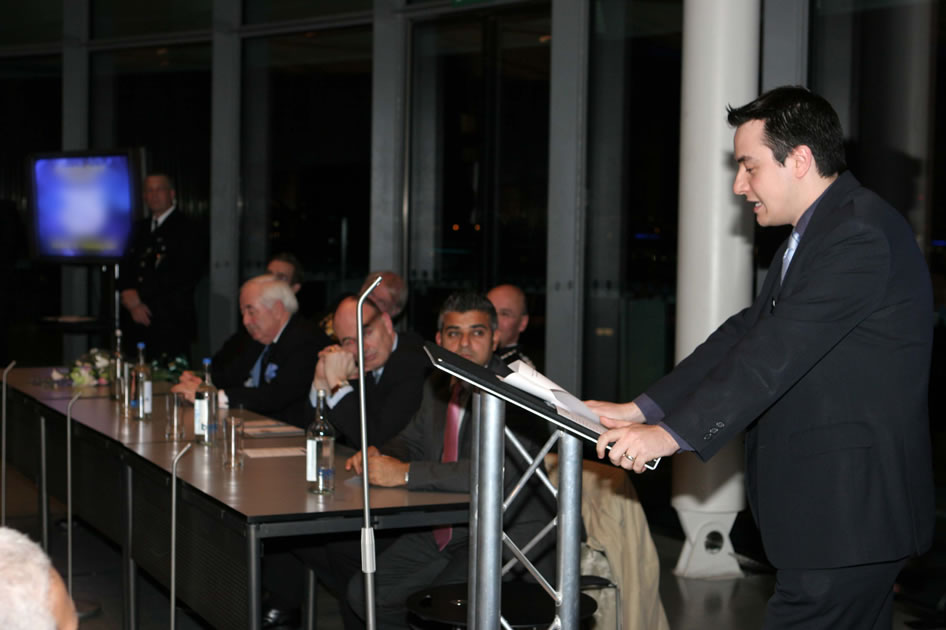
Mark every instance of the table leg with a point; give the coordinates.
(254, 584)
(129, 567)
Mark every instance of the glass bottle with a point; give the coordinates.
(205, 409)
(116, 370)
(320, 451)
(142, 376)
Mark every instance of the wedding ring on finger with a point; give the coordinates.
(628, 458)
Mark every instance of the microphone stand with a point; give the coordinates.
(367, 532)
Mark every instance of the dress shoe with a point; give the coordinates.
(281, 618)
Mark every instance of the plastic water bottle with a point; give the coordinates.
(205, 409)
(142, 404)
(320, 451)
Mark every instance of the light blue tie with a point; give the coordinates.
(789, 252)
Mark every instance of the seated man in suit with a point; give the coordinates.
(510, 303)
(265, 368)
(395, 367)
(32, 595)
(433, 453)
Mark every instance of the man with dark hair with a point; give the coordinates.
(513, 313)
(158, 274)
(287, 268)
(433, 453)
(826, 372)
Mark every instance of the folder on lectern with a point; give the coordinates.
(524, 386)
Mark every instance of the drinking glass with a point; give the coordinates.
(174, 405)
(233, 442)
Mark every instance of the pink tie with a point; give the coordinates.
(451, 434)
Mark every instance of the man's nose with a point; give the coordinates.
(739, 186)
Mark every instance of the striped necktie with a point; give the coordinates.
(451, 436)
(789, 252)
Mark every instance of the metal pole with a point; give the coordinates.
(367, 532)
(487, 588)
(174, 531)
(471, 609)
(43, 492)
(69, 487)
(569, 529)
(3, 451)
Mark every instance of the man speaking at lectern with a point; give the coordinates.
(826, 373)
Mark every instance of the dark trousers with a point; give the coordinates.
(409, 564)
(845, 598)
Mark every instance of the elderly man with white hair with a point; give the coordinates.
(32, 595)
(267, 366)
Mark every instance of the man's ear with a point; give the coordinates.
(523, 323)
(437, 339)
(495, 339)
(802, 160)
(388, 324)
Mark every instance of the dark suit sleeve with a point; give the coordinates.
(390, 404)
(840, 286)
(231, 365)
(294, 356)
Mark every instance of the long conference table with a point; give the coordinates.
(121, 486)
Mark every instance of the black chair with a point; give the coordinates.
(523, 605)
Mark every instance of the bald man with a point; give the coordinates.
(510, 304)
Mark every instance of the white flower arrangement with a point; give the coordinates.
(89, 369)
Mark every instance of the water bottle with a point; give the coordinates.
(142, 376)
(116, 371)
(320, 451)
(205, 409)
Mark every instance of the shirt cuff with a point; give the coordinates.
(223, 401)
(651, 410)
(653, 414)
(332, 399)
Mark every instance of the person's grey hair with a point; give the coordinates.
(24, 584)
(466, 301)
(395, 285)
(275, 290)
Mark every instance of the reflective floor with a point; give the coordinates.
(690, 604)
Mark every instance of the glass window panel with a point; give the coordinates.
(158, 99)
(258, 11)
(30, 22)
(879, 63)
(125, 18)
(633, 168)
(479, 169)
(307, 158)
(29, 123)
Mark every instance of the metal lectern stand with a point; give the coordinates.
(487, 502)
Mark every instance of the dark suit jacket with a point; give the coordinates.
(164, 266)
(391, 402)
(290, 367)
(828, 374)
(421, 444)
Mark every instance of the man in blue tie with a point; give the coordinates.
(826, 374)
(266, 367)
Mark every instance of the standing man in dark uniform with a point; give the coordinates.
(158, 274)
(826, 373)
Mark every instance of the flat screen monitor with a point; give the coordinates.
(84, 204)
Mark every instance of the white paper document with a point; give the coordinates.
(288, 451)
(529, 379)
